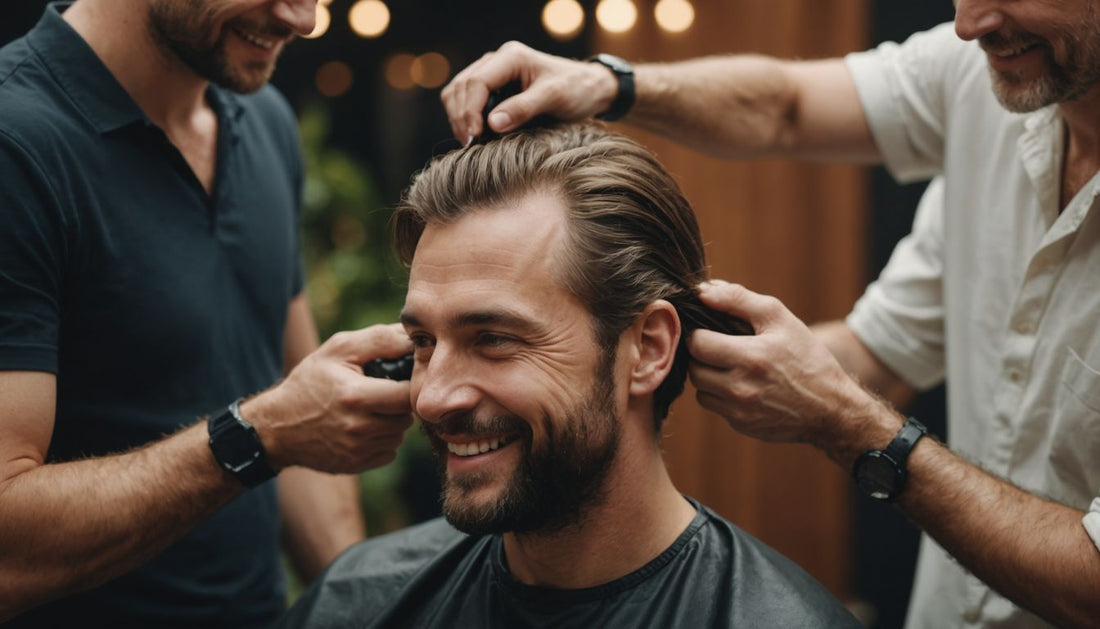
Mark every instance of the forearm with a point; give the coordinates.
(321, 517)
(861, 364)
(71, 526)
(1033, 551)
(748, 106)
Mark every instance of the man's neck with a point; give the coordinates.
(169, 93)
(1081, 159)
(641, 516)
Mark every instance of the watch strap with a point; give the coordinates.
(624, 73)
(905, 441)
(237, 447)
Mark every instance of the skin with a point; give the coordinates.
(120, 510)
(751, 106)
(497, 335)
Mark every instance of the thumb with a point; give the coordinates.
(516, 111)
(759, 310)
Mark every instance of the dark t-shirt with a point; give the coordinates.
(152, 301)
(431, 575)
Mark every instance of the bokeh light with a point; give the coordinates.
(369, 18)
(322, 19)
(399, 71)
(674, 16)
(563, 19)
(430, 70)
(616, 16)
(333, 78)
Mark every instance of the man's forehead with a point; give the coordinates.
(490, 256)
(521, 236)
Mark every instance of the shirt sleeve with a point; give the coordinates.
(900, 317)
(32, 251)
(906, 90)
(1092, 522)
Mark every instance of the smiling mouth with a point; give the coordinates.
(474, 448)
(266, 44)
(1013, 52)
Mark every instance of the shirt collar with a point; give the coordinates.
(91, 85)
(80, 72)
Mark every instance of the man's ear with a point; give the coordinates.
(656, 335)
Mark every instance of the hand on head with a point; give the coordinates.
(327, 415)
(781, 384)
(564, 88)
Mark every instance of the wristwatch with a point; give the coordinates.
(237, 447)
(624, 73)
(881, 474)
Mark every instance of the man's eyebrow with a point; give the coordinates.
(503, 317)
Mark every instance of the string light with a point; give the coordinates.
(616, 16)
(430, 70)
(333, 79)
(369, 18)
(563, 19)
(674, 16)
(399, 71)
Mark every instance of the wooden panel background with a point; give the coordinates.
(793, 230)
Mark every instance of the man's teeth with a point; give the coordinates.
(266, 44)
(474, 447)
(1014, 51)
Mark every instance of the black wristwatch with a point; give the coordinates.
(881, 474)
(237, 447)
(624, 73)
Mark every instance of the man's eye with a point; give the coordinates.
(421, 341)
(487, 339)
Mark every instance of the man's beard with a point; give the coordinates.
(553, 484)
(183, 30)
(1063, 79)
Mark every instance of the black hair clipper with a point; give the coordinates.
(390, 368)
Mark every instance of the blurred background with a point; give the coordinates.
(366, 88)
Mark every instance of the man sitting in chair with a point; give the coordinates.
(553, 279)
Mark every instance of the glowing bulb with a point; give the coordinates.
(616, 16)
(430, 70)
(399, 71)
(369, 18)
(674, 16)
(563, 19)
(333, 79)
(321, 22)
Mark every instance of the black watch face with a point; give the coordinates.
(877, 476)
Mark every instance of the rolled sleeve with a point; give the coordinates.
(900, 318)
(1092, 522)
(904, 90)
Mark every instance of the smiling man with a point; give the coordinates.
(149, 275)
(553, 278)
(997, 295)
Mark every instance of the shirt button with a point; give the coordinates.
(971, 614)
(1024, 327)
(1014, 375)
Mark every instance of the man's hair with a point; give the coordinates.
(631, 236)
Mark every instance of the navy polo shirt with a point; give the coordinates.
(152, 301)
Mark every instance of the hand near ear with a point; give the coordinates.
(781, 384)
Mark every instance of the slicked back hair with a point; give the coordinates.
(631, 236)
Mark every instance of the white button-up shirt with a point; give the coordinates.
(995, 289)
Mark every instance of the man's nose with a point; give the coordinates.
(974, 18)
(299, 15)
(443, 386)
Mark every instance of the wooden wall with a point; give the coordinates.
(793, 230)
